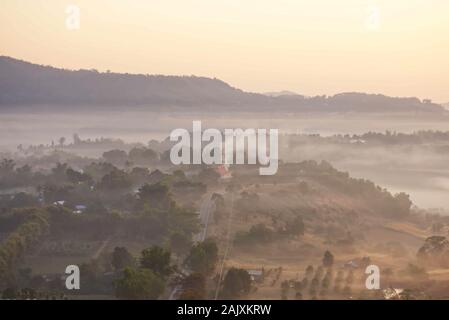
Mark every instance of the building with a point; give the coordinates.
(79, 209)
(256, 275)
(223, 171)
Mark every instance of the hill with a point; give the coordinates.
(26, 84)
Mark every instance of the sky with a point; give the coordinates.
(314, 47)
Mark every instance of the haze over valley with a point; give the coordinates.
(336, 188)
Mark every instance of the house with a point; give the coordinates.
(223, 171)
(256, 275)
(79, 209)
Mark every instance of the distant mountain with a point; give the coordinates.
(282, 94)
(26, 84)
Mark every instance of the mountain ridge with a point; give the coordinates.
(27, 84)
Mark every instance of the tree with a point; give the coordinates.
(208, 175)
(98, 170)
(139, 175)
(328, 259)
(203, 256)
(76, 177)
(24, 174)
(437, 227)
(156, 195)
(350, 277)
(52, 193)
(295, 227)
(403, 204)
(22, 200)
(59, 172)
(157, 259)
(8, 177)
(258, 233)
(61, 141)
(91, 272)
(121, 258)
(179, 174)
(236, 283)
(180, 243)
(139, 284)
(7, 166)
(9, 294)
(142, 156)
(115, 180)
(117, 157)
(309, 271)
(194, 287)
(76, 139)
(28, 234)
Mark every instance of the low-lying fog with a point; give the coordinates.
(424, 175)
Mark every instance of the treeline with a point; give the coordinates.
(418, 137)
(371, 137)
(101, 200)
(154, 215)
(11, 177)
(379, 199)
(261, 234)
(27, 235)
(102, 174)
(147, 276)
(99, 186)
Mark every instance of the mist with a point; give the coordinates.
(419, 170)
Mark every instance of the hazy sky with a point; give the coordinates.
(396, 47)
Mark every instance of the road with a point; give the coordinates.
(206, 209)
(227, 248)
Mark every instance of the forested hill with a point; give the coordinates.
(26, 84)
